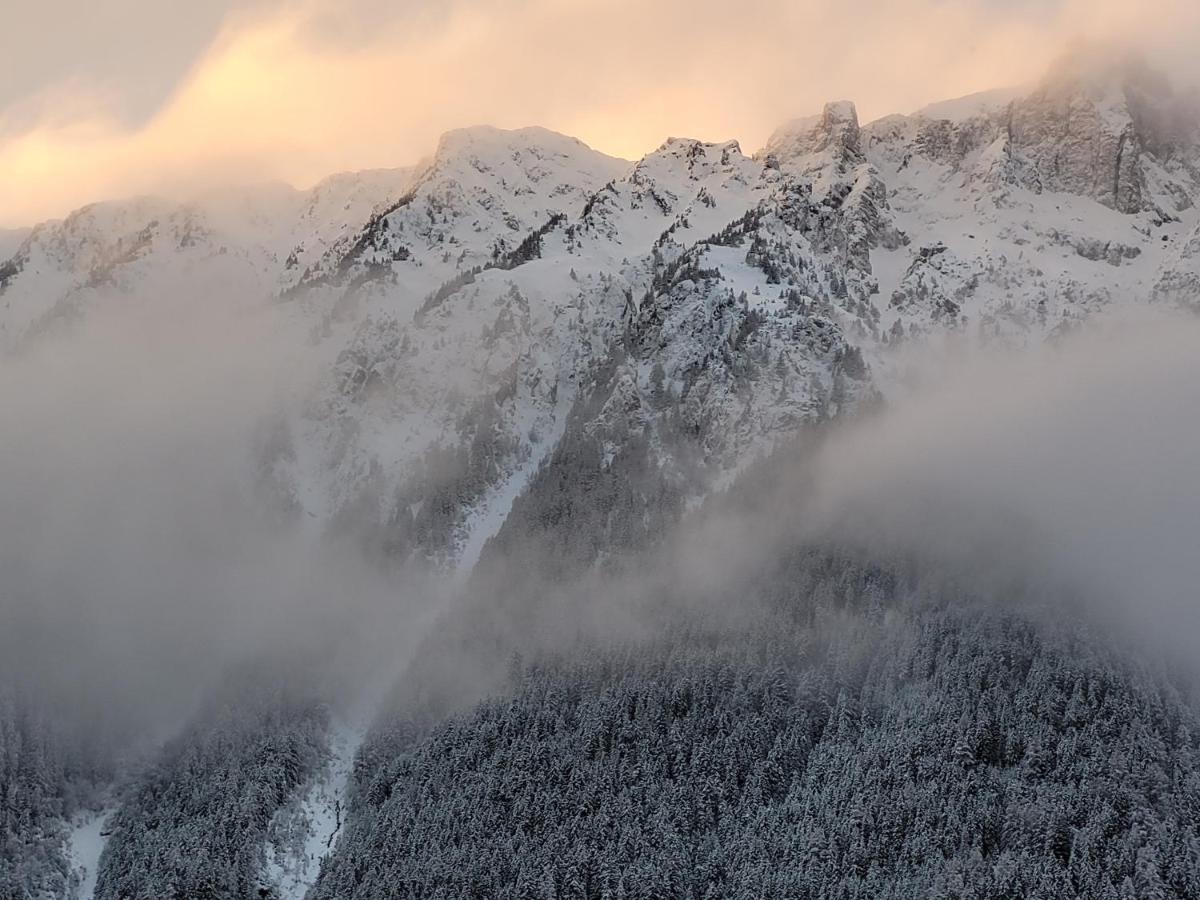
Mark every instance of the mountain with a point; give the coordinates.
(728, 298)
(715, 299)
(531, 357)
(482, 193)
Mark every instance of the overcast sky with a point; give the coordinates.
(103, 98)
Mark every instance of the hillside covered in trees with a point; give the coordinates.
(866, 737)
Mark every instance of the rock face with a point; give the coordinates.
(1099, 129)
(522, 311)
(827, 151)
(1029, 214)
(832, 136)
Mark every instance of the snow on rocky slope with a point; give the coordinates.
(446, 406)
(1027, 218)
(479, 197)
(520, 290)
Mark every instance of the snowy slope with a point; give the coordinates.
(478, 198)
(475, 388)
(303, 833)
(745, 295)
(85, 843)
(1024, 220)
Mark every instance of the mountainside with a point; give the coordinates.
(1035, 214)
(527, 363)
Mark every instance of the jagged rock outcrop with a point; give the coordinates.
(1085, 129)
(827, 152)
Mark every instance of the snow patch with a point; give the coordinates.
(85, 843)
(961, 109)
(486, 520)
(304, 832)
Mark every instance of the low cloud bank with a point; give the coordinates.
(1074, 466)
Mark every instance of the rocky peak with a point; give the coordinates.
(490, 145)
(698, 159)
(1118, 87)
(838, 127)
(692, 149)
(832, 136)
(484, 191)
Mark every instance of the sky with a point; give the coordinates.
(107, 98)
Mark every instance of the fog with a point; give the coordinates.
(1058, 480)
(1064, 475)
(140, 554)
(1079, 458)
(140, 558)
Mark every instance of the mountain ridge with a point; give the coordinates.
(465, 306)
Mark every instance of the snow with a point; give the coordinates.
(321, 814)
(250, 242)
(487, 518)
(85, 843)
(960, 109)
(482, 192)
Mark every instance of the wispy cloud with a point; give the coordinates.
(298, 91)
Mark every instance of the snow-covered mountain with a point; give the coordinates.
(528, 352)
(520, 293)
(1027, 217)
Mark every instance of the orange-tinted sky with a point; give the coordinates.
(102, 98)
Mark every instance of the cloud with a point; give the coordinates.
(1071, 468)
(142, 552)
(1062, 476)
(298, 91)
(1055, 482)
(141, 559)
